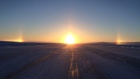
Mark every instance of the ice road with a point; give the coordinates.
(59, 61)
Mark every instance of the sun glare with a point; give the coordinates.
(20, 40)
(69, 39)
(119, 41)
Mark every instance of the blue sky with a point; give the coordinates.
(88, 20)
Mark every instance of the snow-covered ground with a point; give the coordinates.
(58, 61)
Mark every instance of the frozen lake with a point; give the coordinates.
(59, 61)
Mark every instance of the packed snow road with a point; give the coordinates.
(58, 61)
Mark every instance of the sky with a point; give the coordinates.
(86, 20)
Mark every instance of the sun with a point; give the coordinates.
(20, 40)
(69, 39)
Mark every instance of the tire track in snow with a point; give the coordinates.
(88, 68)
(29, 65)
(74, 71)
(125, 59)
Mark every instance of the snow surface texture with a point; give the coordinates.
(59, 61)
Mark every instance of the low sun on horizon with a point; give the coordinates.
(69, 39)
